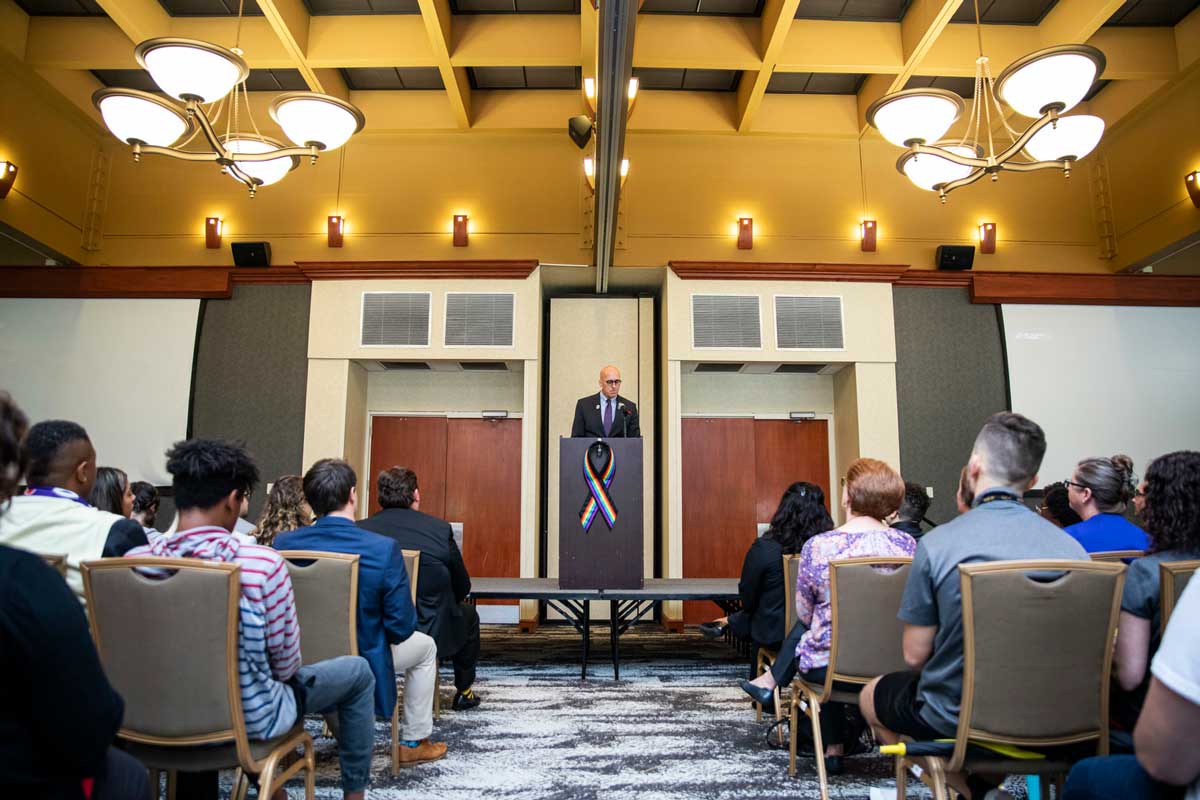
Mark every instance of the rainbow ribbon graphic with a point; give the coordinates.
(598, 499)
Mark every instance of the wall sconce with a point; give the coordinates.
(335, 230)
(8, 176)
(589, 95)
(589, 171)
(745, 233)
(867, 230)
(1192, 180)
(987, 238)
(461, 223)
(213, 228)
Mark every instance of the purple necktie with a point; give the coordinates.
(607, 415)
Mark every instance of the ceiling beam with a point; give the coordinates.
(439, 26)
(515, 40)
(139, 19)
(815, 45)
(14, 29)
(777, 17)
(667, 41)
(1074, 21)
(614, 67)
(369, 40)
(291, 22)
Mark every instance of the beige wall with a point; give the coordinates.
(355, 449)
(441, 392)
(711, 393)
(326, 408)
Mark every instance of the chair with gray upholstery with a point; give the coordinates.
(1038, 655)
(1173, 577)
(866, 641)
(325, 586)
(169, 645)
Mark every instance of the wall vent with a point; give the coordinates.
(483, 366)
(725, 321)
(396, 319)
(800, 369)
(479, 320)
(405, 366)
(808, 323)
(717, 366)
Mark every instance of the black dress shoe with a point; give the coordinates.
(712, 630)
(465, 700)
(757, 693)
(833, 765)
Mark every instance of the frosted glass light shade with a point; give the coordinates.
(927, 171)
(268, 172)
(910, 115)
(1055, 76)
(1069, 137)
(188, 69)
(135, 116)
(309, 118)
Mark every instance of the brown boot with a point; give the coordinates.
(422, 753)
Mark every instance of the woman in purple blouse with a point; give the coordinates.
(871, 492)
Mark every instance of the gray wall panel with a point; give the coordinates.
(949, 378)
(252, 375)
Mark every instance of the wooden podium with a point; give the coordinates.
(600, 557)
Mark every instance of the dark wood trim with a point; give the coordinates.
(778, 271)
(428, 270)
(1086, 289)
(941, 279)
(261, 275)
(112, 282)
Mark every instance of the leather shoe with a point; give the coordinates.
(712, 630)
(423, 753)
(465, 700)
(757, 693)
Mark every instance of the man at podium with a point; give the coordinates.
(606, 414)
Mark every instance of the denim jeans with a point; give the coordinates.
(344, 687)
(1114, 778)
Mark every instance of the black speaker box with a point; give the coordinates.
(954, 256)
(251, 254)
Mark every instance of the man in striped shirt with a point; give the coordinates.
(210, 478)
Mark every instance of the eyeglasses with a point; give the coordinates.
(1076, 484)
(615, 382)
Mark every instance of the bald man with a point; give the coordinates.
(607, 414)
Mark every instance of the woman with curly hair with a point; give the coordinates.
(13, 426)
(1172, 517)
(285, 510)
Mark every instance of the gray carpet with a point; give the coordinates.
(675, 726)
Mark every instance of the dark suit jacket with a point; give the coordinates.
(123, 536)
(385, 610)
(588, 421)
(442, 579)
(764, 597)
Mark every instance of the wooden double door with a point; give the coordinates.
(468, 471)
(735, 470)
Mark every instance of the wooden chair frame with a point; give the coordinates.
(812, 695)
(936, 767)
(271, 773)
(415, 555)
(1170, 573)
(59, 562)
(1117, 556)
(765, 658)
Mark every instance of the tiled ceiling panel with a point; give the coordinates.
(514, 6)
(692, 80)
(393, 78)
(61, 8)
(815, 83)
(259, 80)
(963, 87)
(1163, 13)
(715, 8)
(210, 8)
(857, 10)
(524, 77)
(1004, 12)
(327, 8)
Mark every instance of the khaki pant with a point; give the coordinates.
(416, 657)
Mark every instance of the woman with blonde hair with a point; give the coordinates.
(285, 510)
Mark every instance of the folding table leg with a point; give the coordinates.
(614, 620)
(587, 635)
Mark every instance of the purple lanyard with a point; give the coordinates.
(54, 491)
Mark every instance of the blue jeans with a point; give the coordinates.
(1114, 778)
(345, 687)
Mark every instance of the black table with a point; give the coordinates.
(627, 606)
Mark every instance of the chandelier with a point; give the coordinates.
(201, 76)
(1043, 85)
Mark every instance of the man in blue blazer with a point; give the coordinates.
(387, 634)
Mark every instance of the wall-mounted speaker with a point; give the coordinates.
(955, 256)
(251, 254)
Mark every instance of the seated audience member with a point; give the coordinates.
(912, 510)
(387, 634)
(210, 479)
(52, 517)
(871, 492)
(1099, 492)
(801, 515)
(145, 507)
(965, 496)
(442, 582)
(285, 510)
(112, 493)
(1167, 758)
(1172, 513)
(51, 673)
(1056, 506)
(924, 704)
(242, 527)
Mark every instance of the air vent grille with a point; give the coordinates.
(718, 367)
(799, 369)
(808, 323)
(405, 366)
(398, 319)
(725, 321)
(483, 366)
(479, 320)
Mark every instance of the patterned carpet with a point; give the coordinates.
(674, 727)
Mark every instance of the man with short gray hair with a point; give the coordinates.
(924, 704)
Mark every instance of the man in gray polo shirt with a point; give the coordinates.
(924, 703)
